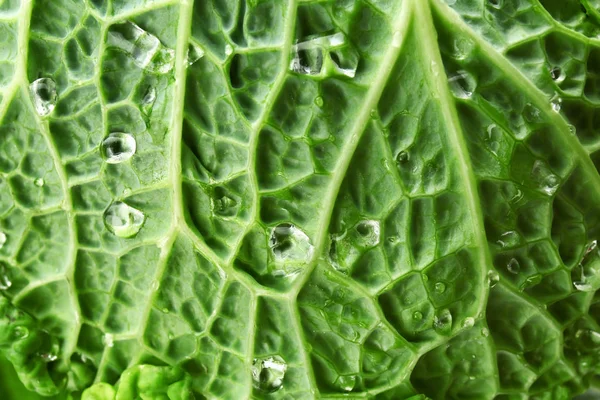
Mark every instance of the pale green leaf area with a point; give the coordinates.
(299, 199)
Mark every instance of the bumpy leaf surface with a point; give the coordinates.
(298, 199)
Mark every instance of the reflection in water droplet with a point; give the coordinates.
(442, 322)
(417, 315)
(123, 220)
(513, 266)
(319, 101)
(557, 74)
(545, 178)
(118, 147)
(289, 243)
(468, 322)
(108, 340)
(347, 383)
(462, 84)
(3, 239)
(268, 373)
(43, 92)
(440, 287)
(5, 281)
(493, 278)
(194, 53)
(39, 182)
(145, 49)
(556, 103)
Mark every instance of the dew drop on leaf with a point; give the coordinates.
(347, 383)
(544, 177)
(118, 147)
(556, 103)
(402, 157)
(39, 182)
(194, 53)
(468, 322)
(369, 231)
(462, 84)
(268, 373)
(123, 220)
(586, 275)
(148, 100)
(557, 75)
(440, 287)
(108, 340)
(463, 48)
(52, 354)
(5, 281)
(513, 266)
(20, 332)
(417, 315)
(442, 322)
(223, 203)
(319, 101)
(289, 243)
(485, 332)
(43, 92)
(493, 278)
(508, 239)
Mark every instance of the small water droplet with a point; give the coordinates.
(194, 53)
(442, 322)
(397, 39)
(417, 315)
(39, 182)
(531, 113)
(493, 278)
(468, 322)
(20, 332)
(3, 239)
(572, 129)
(493, 138)
(440, 287)
(557, 75)
(513, 266)
(268, 373)
(463, 48)
(108, 340)
(586, 275)
(402, 157)
(148, 100)
(228, 50)
(319, 101)
(369, 231)
(289, 243)
(52, 354)
(545, 178)
(347, 382)
(43, 92)
(556, 103)
(462, 84)
(224, 203)
(123, 220)
(118, 147)
(531, 281)
(508, 239)
(518, 196)
(5, 282)
(155, 285)
(485, 332)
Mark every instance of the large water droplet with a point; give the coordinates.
(3, 239)
(194, 53)
(268, 373)
(493, 278)
(145, 49)
(347, 382)
(462, 84)
(123, 220)
(370, 232)
(442, 322)
(289, 243)
(546, 179)
(118, 147)
(513, 266)
(307, 61)
(43, 92)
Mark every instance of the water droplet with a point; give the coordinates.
(493, 278)
(513, 266)
(397, 39)
(268, 373)
(468, 322)
(5, 282)
(194, 53)
(557, 74)
(588, 338)
(485, 332)
(289, 243)
(347, 383)
(145, 49)
(462, 84)
(586, 275)
(39, 182)
(118, 147)
(402, 157)
(547, 181)
(508, 239)
(442, 322)
(48, 357)
(43, 92)
(20, 332)
(492, 139)
(369, 231)
(224, 203)
(123, 220)
(3, 239)
(108, 340)
(531, 113)
(440, 287)
(52, 354)
(417, 315)
(319, 101)
(556, 103)
(572, 129)
(165, 310)
(531, 281)
(463, 48)
(518, 196)
(148, 100)
(155, 285)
